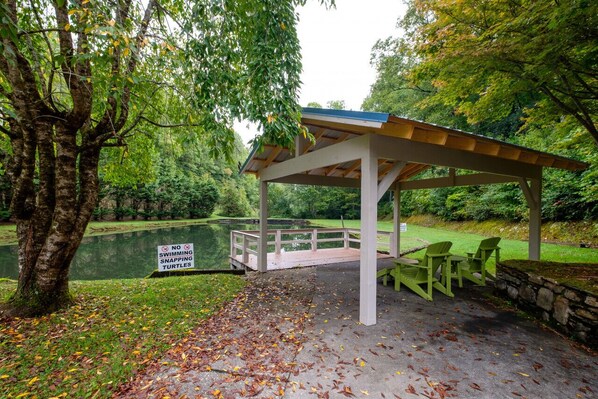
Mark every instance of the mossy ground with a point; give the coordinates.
(579, 275)
(572, 233)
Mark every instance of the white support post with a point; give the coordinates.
(533, 196)
(262, 251)
(346, 238)
(277, 244)
(396, 222)
(314, 240)
(535, 221)
(368, 258)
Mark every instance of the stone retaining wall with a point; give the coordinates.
(571, 310)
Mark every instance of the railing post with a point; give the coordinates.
(245, 254)
(346, 238)
(392, 245)
(232, 244)
(314, 240)
(277, 244)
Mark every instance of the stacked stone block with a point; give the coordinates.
(571, 310)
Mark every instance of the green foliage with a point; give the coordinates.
(486, 57)
(336, 104)
(396, 92)
(233, 201)
(298, 201)
(446, 70)
(112, 330)
(253, 54)
(203, 197)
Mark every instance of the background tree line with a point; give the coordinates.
(525, 72)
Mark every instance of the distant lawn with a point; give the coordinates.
(466, 242)
(8, 233)
(115, 328)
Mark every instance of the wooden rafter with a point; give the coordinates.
(412, 131)
(319, 133)
(414, 170)
(383, 171)
(273, 154)
(429, 136)
(381, 162)
(350, 169)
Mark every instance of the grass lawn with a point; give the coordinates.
(466, 242)
(8, 232)
(112, 331)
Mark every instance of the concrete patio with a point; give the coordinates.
(466, 347)
(295, 334)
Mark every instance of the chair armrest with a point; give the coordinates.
(489, 248)
(419, 266)
(457, 258)
(403, 263)
(406, 262)
(440, 255)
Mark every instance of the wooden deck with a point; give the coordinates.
(293, 259)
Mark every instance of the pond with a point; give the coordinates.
(134, 255)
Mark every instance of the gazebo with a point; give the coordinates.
(377, 152)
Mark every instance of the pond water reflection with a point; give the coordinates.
(134, 255)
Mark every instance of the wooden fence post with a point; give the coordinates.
(277, 244)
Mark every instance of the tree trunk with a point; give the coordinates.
(49, 237)
(56, 142)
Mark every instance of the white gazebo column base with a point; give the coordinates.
(369, 215)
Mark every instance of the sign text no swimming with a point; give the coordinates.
(175, 256)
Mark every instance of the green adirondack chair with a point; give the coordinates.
(465, 267)
(414, 275)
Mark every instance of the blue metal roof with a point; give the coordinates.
(339, 113)
(335, 113)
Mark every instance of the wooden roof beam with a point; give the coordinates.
(464, 180)
(324, 157)
(401, 130)
(487, 148)
(509, 152)
(350, 169)
(319, 133)
(414, 171)
(273, 154)
(414, 152)
(460, 143)
(528, 157)
(429, 136)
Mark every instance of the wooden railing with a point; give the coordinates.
(246, 242)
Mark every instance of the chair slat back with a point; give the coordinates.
(441, 247)
(489, 245)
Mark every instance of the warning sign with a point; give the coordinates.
(174, 257)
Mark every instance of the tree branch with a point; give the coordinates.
(80, 89)
(169, 126)
(124, 114)
(588, 124)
